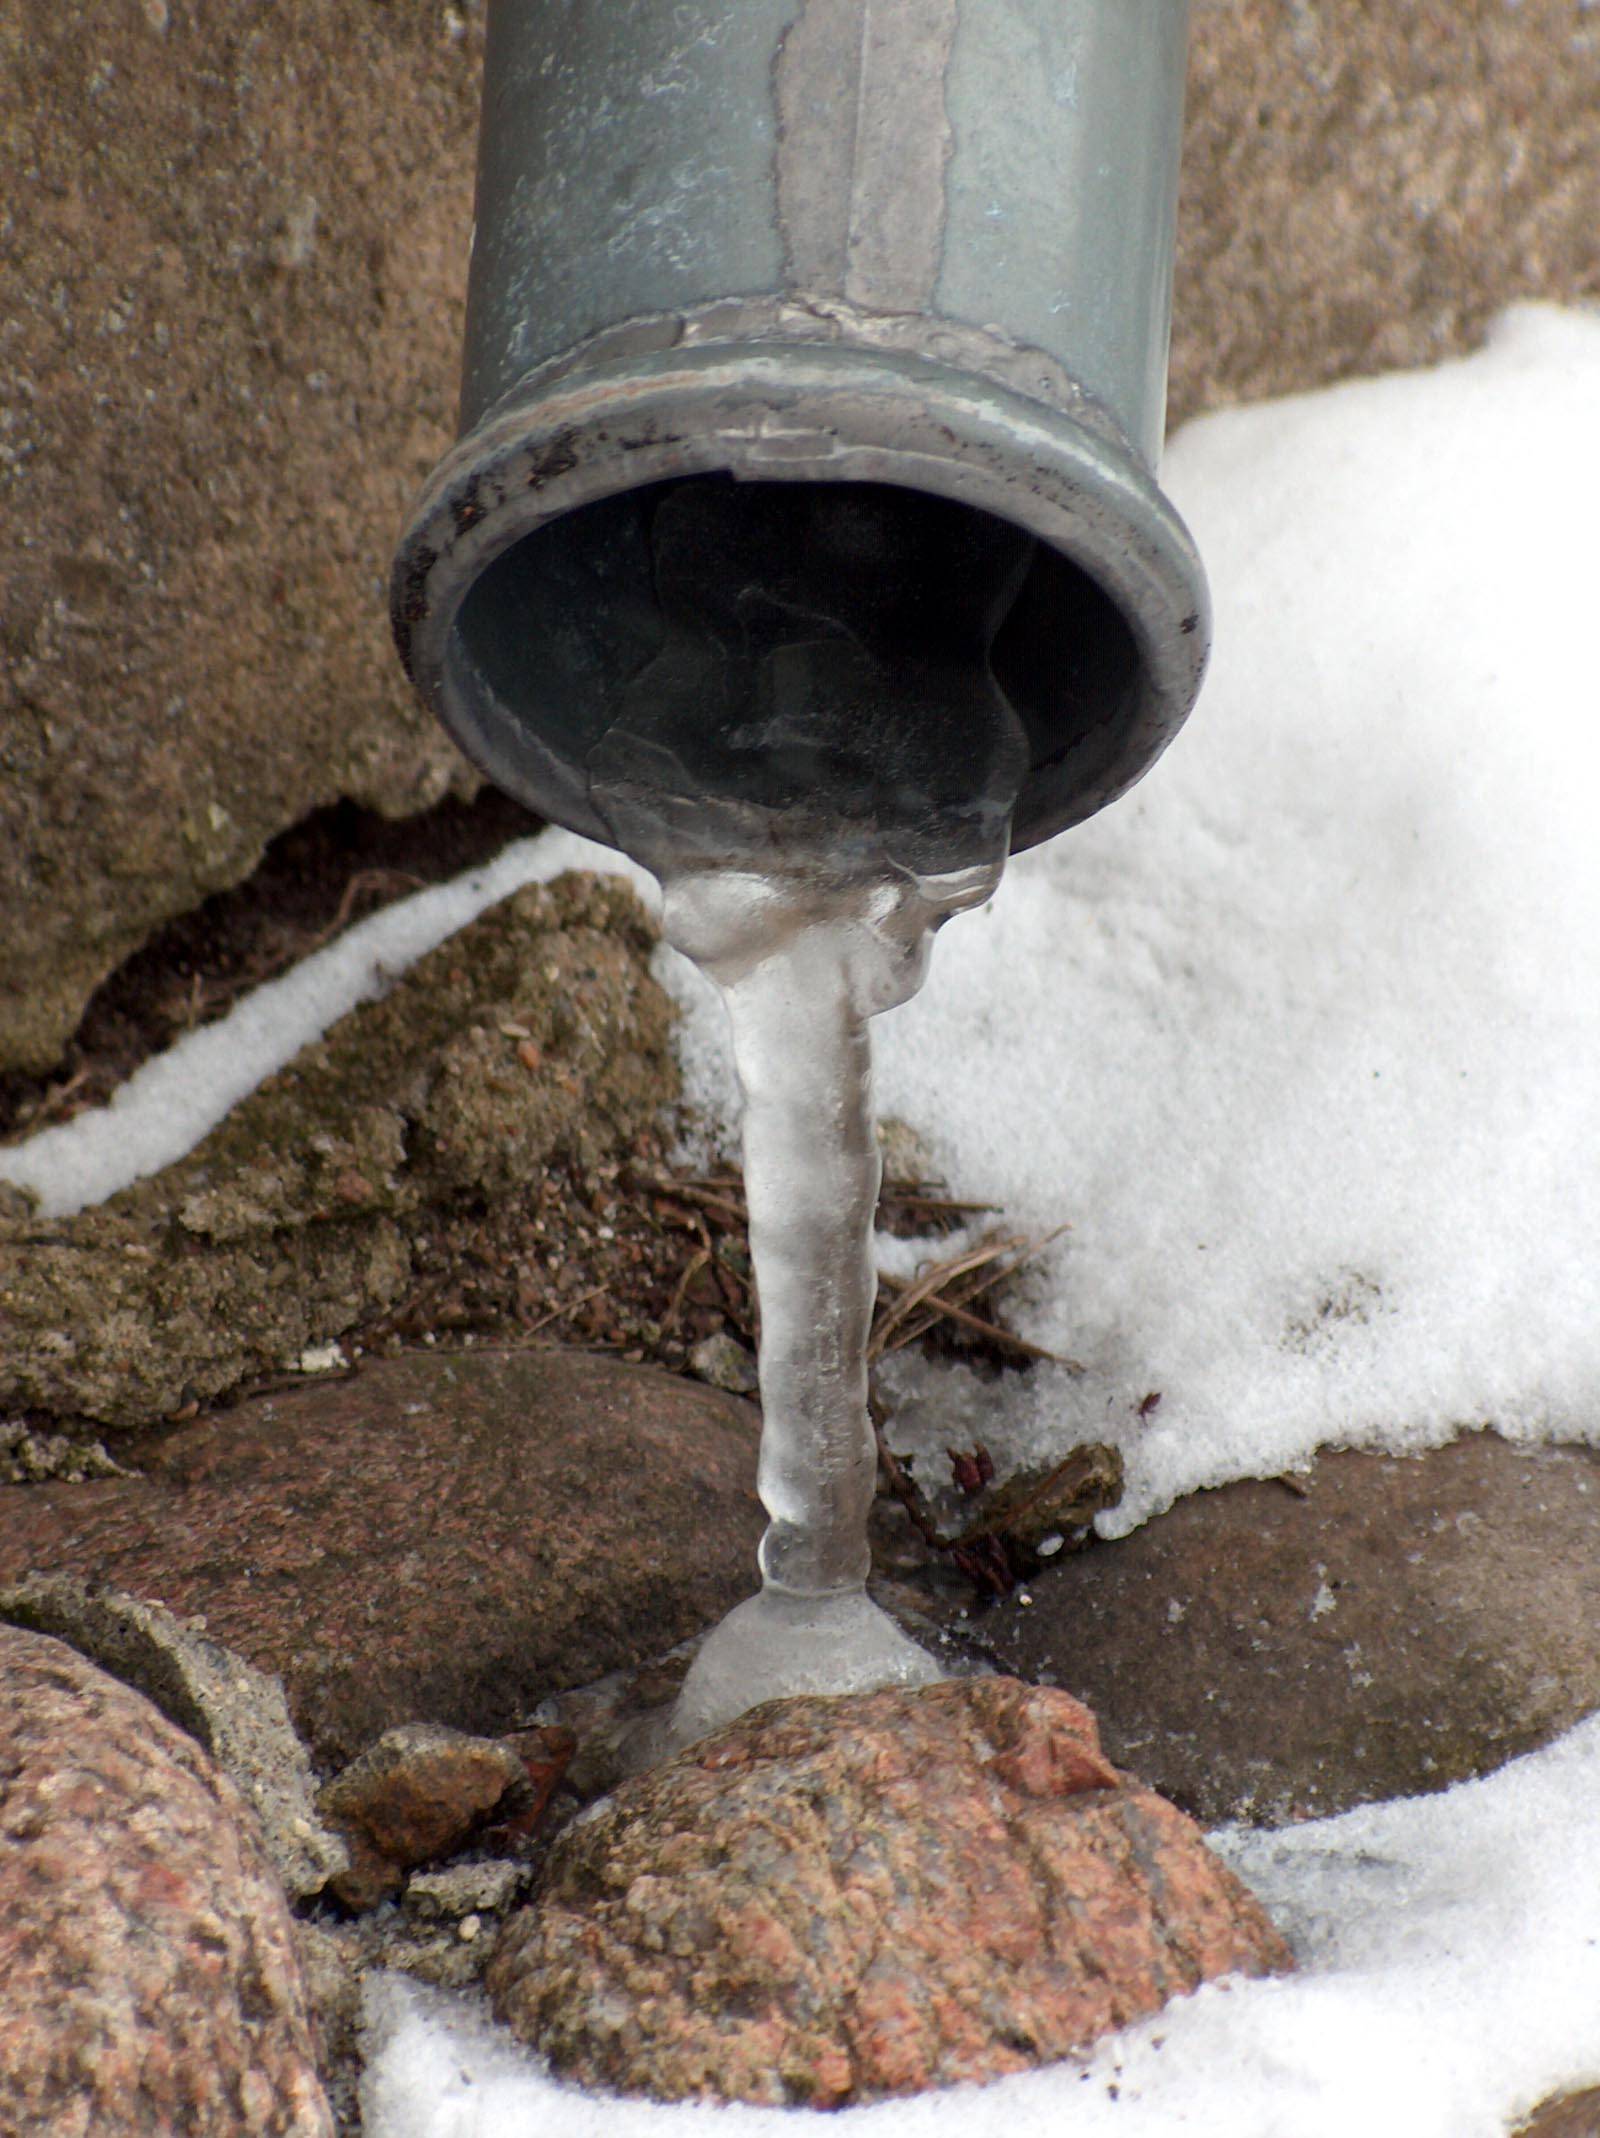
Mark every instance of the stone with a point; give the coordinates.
(833, 1901)
(723, 1362)
(151, 1982)
(30, 1458)
(301, 1216)
(413, 1796)
(238, 1714)
(545, 1518)
(1365, 187)
(1565, 2115)
(464, 1889)
(1390, 1625)
(231, 295)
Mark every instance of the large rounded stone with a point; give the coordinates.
(413, 1796)
(150, 1979)
(1392, 1624)
(442, 1535)
(1566, 2115)
(837, 1900)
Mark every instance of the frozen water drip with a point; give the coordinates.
(803, 964)
(820, 768)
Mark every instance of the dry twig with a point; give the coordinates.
(700, 1260)
(571, 1307)
(939, 1293)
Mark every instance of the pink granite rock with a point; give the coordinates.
(412, 1797)
(150, 1981)
(836, 1900)
(547, 1518)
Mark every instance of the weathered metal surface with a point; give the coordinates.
(1061, 201)
(923, 243)
(625, 167)
(864, 139)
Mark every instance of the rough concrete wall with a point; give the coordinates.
(232, 251)
(232, 260)
(1364, 186)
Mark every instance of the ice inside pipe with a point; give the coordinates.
(820, 768)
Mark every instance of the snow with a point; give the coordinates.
(1300, 1038)
(169, 1104)
(1299, 1041)
(1449, 1949)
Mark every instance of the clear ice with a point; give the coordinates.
(820, 768)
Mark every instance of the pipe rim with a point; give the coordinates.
(774, 412)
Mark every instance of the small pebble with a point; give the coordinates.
(468, 1927)
(463, 1890)
(724, 1362)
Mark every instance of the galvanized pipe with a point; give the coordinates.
(917, 243)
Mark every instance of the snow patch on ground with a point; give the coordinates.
(1450, 1973)
(175, 1099)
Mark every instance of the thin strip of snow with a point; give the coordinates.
(178, 1097)
(1450, 1977)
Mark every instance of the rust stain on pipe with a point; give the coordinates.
(864, 139)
